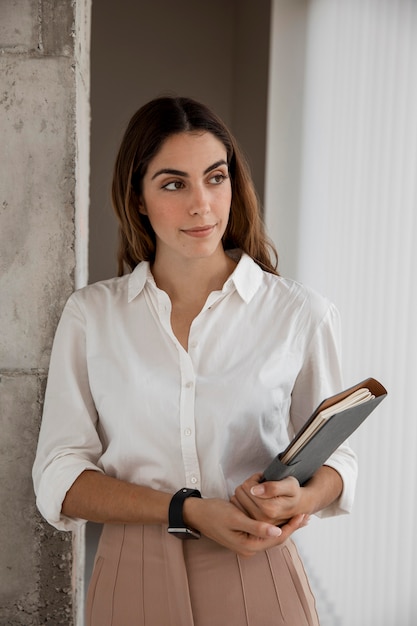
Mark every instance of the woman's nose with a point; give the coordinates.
(199, 201)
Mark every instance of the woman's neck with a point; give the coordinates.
(192, 279)
(188, 284)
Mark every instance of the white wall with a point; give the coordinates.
(355, 224)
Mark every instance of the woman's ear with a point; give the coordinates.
(142, 207)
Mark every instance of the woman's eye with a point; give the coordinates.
(173, 186)
(217, 179)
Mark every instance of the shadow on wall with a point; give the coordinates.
(181, 48)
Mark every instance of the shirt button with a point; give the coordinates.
(189, 384)
(193, 344)
(194, 480)
(187, 432)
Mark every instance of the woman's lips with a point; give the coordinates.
(199, 231)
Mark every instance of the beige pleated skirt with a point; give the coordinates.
(145, 577)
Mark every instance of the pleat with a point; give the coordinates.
(216, 593)
(101, 590)
(139, 579)
(268, 589)
(145, 577)
(129, 594)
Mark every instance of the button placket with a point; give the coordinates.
(187, 421)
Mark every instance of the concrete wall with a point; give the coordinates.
(41, 48)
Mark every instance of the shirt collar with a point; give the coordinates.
(137, 280)
(246, 278)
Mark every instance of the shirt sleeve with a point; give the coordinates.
(68, 440)
(320, 378)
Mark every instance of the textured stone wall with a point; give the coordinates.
(39, 73)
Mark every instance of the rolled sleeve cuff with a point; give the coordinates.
(344, 462)
(53, 487)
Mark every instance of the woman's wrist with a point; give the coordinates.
(322, 489)
(191, 512)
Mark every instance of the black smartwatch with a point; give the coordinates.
(177, 526)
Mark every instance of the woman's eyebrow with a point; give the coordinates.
(173, 172)
(216, 164)
(169, 171)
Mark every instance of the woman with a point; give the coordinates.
(184, 378)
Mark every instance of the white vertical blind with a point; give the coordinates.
(356, 228)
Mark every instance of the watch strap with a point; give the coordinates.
(177, 526)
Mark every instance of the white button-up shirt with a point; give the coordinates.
(125, 398)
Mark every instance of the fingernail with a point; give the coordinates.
(274, 531)
(258, 490)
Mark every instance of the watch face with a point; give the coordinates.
(184, 533)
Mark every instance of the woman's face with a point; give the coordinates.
(186, 194)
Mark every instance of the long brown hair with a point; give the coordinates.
(149, 127)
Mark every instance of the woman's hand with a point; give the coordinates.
(232, 528)
(274, 502)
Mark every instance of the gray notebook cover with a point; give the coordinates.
(330, 436)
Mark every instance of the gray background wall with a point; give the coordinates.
(216, 52)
